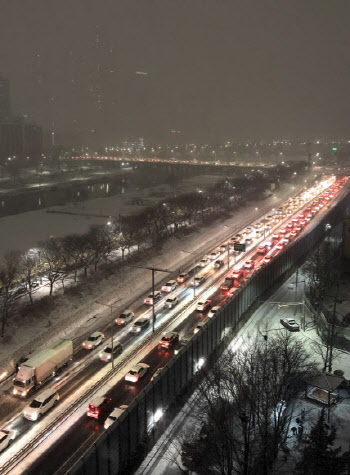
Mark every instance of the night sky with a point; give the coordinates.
(216, 68)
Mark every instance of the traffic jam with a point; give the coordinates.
(212, 281)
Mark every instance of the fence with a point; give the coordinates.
(119, 445)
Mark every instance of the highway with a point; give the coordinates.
(183, 320)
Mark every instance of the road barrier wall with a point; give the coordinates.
(134, 431)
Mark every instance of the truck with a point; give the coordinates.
(42, 366)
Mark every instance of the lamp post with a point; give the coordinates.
(111, 306)
(194, 270)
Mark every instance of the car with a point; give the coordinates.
(298, 228)
(301, 216)
(295, 221)
(249, 265)
(289, 226)
(198, 281)
(294, 234)
(283, 231)
(286, 240)
(259, 234)
(302, 222)
(117, 412)
(41, 404)
(262, 250)
(275, 237)
(106, 354)
(171, 302)
(94, 340)
(168, 340)
(6, 438)
(156, 373)
(218, 263)
(248, 241)
(267, 259)
(257, 225)
(140, 325)
(248, 230)
(152, 298)
(214, 255)
(99, 406)
(290, 324)
(223, 248)
(125, 317)
(169, 286)
(137, 372)
(313, 212)
(203, 262)
(204, 305)
(213, 311)
(182, 344)
(268, 244)
(199, 327)
(183, 277)
(280, 246)
(238, 276)
(307, 218)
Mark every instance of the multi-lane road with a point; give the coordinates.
(65, 444)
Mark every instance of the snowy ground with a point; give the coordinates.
(71, 314)
(23, 231)
(164, 458)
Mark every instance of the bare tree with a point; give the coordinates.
(242, 408)
(9, 277)
(30, 267)
(53, 257)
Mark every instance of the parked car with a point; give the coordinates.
(41, 404)
(168, 340)
(94, 340)
(6, 438)
(183, 277)
(169, 286)
(140, 325)
(137, 372)
(149, 300)
(171, 302)
(290, 324)
(117, 412)
(182, 344)
(156, 373)
(106, 354)
(267, 259)
(99, 406)
(125, 317)
(199, 327)
(204, 305)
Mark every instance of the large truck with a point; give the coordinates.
(42, 366)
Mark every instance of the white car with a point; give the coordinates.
(94, 340)
(140, 325)
(213, 311)
(149, 300)
(137, 372)
(117, 412)
(203, 262)
(223, 248)
(290, 324)
(169, 286)
(41, 404)
(199, 327)
(6, 438)
(171, 302)
(183, 277)
(125, 317)
(106, 354)
(203, 305)
(214, 255)
(198, 281)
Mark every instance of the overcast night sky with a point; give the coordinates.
(216, 68)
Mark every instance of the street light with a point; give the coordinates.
(194, 270)
(112, 342)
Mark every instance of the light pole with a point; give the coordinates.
(194, 270)
(153, 270)
(111, 306)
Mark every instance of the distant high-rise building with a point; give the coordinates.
(21, 139)
(5, 103)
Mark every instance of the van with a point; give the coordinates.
(41, 404)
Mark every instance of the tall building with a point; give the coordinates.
(5, 104)
(21, 139)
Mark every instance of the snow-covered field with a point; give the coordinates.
(71, 315)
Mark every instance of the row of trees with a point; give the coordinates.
(59, 258)
(240, 422)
